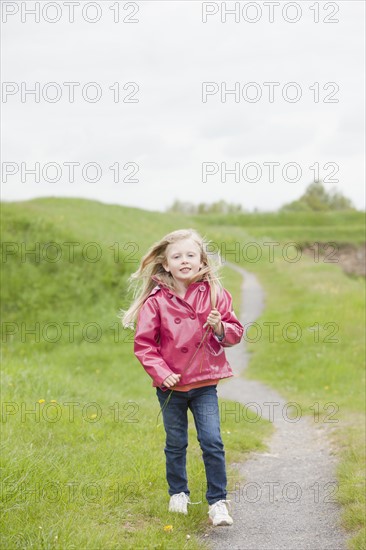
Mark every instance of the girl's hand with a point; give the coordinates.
(171, 380)
(214, 320)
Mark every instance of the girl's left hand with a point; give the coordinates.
(214, 320)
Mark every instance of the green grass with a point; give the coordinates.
(301, 227)
(351, 475)
(125, 459)
(99, 481)
(85, 467)
(232, 280)
(316, 353)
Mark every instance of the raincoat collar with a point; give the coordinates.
(161, 284)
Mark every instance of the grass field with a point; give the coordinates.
(309, 344)
(299, 227)
(82, 455)
(82, 450)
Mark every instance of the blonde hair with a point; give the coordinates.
(152, 264)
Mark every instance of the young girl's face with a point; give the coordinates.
(183, 259)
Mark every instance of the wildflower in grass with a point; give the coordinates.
(326, 387)
(168, 528)
(53, 401)
(41, 401)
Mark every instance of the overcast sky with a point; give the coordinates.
(164, 131)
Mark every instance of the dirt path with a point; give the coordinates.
(286, 501)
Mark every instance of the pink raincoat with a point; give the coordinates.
(169, 330)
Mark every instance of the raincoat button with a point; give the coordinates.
(184, 350)
(170, 295)
(201, 288)
(177, 320)
(192, 316)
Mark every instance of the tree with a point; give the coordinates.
(317, 199)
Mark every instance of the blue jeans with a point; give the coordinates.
(204, 406)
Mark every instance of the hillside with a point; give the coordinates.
(64, 272)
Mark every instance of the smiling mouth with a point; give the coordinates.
(185, 269)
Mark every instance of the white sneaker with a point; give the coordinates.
(218, 513)
(178, 503)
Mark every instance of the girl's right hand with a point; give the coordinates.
(171, 380)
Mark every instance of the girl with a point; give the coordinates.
(184, 322)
